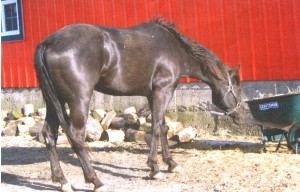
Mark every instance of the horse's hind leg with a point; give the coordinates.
(78, 118)
(50, 134)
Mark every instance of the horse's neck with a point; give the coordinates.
(207, 71)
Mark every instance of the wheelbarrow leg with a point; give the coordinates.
(279, 143)
(263, 137)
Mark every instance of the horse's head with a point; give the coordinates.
(226, 95)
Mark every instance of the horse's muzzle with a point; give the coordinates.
(239, 115)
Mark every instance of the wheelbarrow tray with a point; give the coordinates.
(282, 109)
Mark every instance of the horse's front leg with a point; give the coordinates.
(167, 157)
(159, 102)
(152, 159)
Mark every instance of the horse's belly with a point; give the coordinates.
(122, 89)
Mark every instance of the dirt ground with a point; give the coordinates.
(211, 163)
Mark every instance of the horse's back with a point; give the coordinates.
(112, 60)
(73, 36)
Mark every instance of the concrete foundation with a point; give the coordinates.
(187, 105)
(187, 95)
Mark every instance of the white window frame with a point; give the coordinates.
(15, 34)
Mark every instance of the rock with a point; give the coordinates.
(41, 137)
(167, 119)
(14, 115)
(113, 135)
(99, 114)
(148, 138)
(29, 121)
(174, 128)
(28, 109)
(22, 129)
(149, 118)
(42, 113)
(134, 135)
(108, 119)
(131, 118)
(3, 123)
(10, 130)
(62, 139)
(130, 110)
(144, 111)
(93, 130)
(36, 129)
(37, 118)
(142, 121)
(117, 123)
(147, 127)
(187, 134)
(4, 114)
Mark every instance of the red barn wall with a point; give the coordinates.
(262, 36)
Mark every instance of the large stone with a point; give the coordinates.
(29, 121)
(99, 114)
(14, 115)
(130, 110)
(131, 118)
(174, 128)
(28, 109)
(117, 123)
(42, 112)
(62, 139)
(148, 139)
(4, 114)
(93, 130)
(113, 135)
(187, 134)
(105, 123)
(10, 130)
(36, 129)
(146, 127)
(23, 129)
(144, 111)
(142, 121)
(3, 123)
(134, 135)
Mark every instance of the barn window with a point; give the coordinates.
(11, 20)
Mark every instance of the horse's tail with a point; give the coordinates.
(50, 94)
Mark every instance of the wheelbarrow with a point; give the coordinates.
(278, 117)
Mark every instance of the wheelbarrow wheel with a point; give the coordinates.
(294, 138)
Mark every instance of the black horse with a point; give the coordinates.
(146, 60)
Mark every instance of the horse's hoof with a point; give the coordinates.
(158, 176)
(101, 189)
(67, 188)
(177, 169)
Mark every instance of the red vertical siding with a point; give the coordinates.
(262, 36)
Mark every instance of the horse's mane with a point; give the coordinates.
(198, 51)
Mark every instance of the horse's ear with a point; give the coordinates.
(234, 71)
